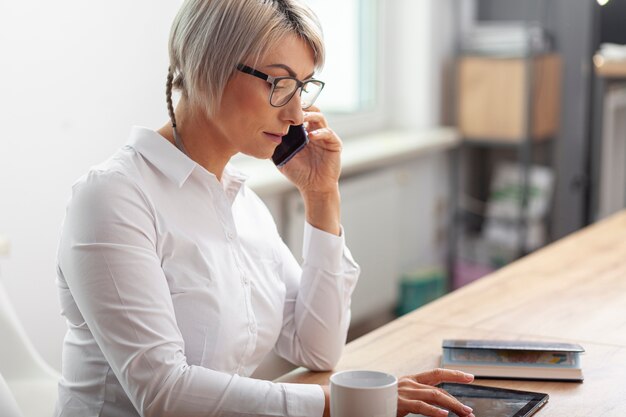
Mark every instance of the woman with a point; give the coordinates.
(173, 279)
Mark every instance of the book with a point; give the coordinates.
(514, 359)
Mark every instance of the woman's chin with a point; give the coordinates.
(260, 153)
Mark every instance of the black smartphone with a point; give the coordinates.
(292, 143)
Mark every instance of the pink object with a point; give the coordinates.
(466, 272)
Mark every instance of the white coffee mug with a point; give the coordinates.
(363, 394)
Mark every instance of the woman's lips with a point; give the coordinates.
(273, 137)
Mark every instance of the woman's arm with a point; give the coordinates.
(108, 258)
(317, 305)
(316, 315)
(315, 172)
(322, 210)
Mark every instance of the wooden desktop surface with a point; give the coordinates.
(571, 291)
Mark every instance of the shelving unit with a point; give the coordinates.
(607, 74)
(503, 102)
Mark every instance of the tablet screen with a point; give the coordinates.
(496, 402)
(492, 402)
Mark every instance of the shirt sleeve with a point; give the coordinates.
(317, 306)
(108, 258)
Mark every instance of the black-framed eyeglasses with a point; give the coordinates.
(284, 88)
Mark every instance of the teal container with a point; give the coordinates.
(418, 288)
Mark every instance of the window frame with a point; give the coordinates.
(375, 116)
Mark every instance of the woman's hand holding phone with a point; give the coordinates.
(316, 168)
(315, 172)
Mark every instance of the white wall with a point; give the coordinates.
(76, 75)
(420, 44)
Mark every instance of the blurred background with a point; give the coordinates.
(476, 131)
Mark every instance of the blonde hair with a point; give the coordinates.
(209, 38)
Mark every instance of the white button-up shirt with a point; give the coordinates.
(175, 286)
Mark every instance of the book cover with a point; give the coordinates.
(511, 345)
(514, 359)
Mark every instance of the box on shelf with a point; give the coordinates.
(491, 102)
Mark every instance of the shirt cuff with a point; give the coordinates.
(304, 400)
(321, 249)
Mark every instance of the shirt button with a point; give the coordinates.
(230, 235)
(252, 327)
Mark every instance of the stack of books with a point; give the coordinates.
(514, 359)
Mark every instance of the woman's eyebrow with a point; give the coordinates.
(289, 70)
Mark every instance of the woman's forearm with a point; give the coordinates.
(323, 210)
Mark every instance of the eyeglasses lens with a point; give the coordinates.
(285, 88)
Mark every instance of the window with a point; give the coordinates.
(351, 35)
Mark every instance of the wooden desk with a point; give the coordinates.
(571, 291)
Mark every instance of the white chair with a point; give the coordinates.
(8, 405)
(32, 383)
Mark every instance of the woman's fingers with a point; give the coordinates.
(418, 393)
(437, 376)
(408, 383)
(420, 407)
(441, 398)
(326, 136)
(413, 391)
(314, 120)
(317, 128)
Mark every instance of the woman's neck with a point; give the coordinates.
(202, 140)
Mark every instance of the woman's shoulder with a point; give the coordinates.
(114, 179)
(105, 204)
(118, 170)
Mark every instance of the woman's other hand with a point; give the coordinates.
(418, 394)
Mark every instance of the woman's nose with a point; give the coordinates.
(292, 111)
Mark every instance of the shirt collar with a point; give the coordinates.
(176, 165)
(233, 181)
(162, 154)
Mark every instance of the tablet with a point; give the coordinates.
(496, 402)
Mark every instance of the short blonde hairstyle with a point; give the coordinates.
(210, 37)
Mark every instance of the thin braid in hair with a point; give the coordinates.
(170, 109)
(168, 95)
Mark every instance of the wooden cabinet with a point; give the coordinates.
(492, 103)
